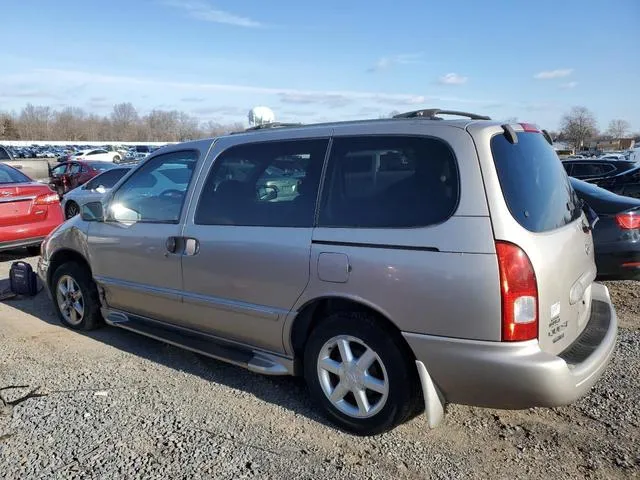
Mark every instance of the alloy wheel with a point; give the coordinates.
(70, 300)
(352, 376)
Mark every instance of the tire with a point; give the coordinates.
(78, 278)
(33, 250)
(117, 159)
(71, 209)
(390, 384)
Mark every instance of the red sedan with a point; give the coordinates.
(29, 210)
(69, 175)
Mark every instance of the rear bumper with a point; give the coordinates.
(619, 264)
(31, 233)
(25, 242)
(520, 375)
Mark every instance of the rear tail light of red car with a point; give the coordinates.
(519, 291)
(628, 220)
(47, 199)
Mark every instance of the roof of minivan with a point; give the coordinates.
(458, 123)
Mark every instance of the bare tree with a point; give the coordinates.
(35, 122)
(578, 126)
(123, 124)
(8, 127)
(124, 119)
(618, 128)
(69, 124)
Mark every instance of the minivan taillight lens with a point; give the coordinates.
(519, 290)
(628, 220)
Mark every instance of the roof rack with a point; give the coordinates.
(431, 114)
(265, 126)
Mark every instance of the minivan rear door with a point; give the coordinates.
(533, 206)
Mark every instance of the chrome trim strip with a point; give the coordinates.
(17, 199)
(228, 305)
(234, 306)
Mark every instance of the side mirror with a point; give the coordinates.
(92, 212)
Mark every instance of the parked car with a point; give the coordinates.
(5, 154)
(613, 156)
(29, 210)
(69, 175)
(91, 191)
(616, 235)
(618, 176)
(458, 267)
(97, 155)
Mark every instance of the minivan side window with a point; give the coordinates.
(272, 184)
(409, 181)
(155, 192)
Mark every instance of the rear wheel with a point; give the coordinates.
(71, 210)
(76, 297)
(360, 374)
(117, 159)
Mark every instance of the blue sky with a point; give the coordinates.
(326, 60)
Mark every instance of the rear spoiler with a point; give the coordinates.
(512, 136)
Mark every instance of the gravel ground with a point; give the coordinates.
(112, 404)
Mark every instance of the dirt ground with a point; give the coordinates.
(113, 404)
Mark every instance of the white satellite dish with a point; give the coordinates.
(260, 116)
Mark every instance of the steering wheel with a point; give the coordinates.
(172, 193)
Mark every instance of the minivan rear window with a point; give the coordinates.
(534, 183)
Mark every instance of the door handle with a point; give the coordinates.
(191, 247)
(171, 244)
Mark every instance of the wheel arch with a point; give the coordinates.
(313, 311)
(63, 256)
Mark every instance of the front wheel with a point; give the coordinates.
(360, 374)
(76, 297)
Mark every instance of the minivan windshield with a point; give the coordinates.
(534, 183)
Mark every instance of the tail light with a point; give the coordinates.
(519, 290)
(47, 199)
(628, 220)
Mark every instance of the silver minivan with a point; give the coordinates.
(397, 264)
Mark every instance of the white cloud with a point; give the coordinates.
(70, 77)
(569, 85)
(453, 79)
(201, 10)
(551, 74)
(385, 63)
(213, 100)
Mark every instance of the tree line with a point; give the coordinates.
(124, 123)
(579, 127)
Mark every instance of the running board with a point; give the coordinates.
(208, 345)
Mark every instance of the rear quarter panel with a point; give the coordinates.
(451, 292)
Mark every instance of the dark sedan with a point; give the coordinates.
(616, 235)
(618, 176)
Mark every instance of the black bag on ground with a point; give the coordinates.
(22, 279)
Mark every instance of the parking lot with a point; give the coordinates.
(112, 404)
